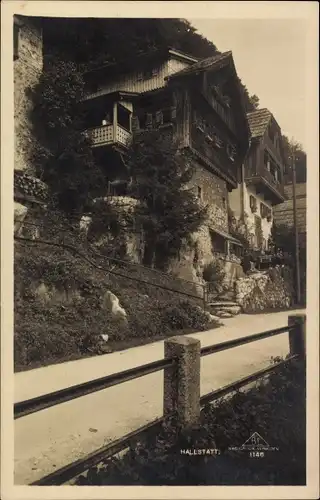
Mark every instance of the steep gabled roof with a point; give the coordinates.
(213, 62)
(258, 122)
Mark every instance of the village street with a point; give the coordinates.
(52, 438)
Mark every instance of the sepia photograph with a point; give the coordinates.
(159, 195)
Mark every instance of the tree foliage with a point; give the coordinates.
(160, 179)
(300, 160)
(94, 42)
(62, 154)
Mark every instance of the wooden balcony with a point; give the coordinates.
(223, 112)
(266, 184)
(108, 135)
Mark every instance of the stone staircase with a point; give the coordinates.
(223, 308)
(223, 305)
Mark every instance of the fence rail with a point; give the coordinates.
(229, 344)
(181, 392)
(39, 403)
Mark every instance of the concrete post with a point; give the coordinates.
(181, 390)
(205, 295)
(297, 336)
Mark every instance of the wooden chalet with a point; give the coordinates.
(264, 165)
(199, 101)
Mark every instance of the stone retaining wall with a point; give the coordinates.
(272, 289)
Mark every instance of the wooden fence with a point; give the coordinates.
(181, 394)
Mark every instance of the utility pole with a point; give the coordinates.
(295, 224)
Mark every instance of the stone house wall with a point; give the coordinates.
(28, 64)
(213, 192)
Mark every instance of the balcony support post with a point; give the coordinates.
(115, 121)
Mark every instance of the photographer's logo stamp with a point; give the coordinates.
(256, 445)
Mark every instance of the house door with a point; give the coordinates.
(258, 231)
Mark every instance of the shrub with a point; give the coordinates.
(214, 274)
(275, 408)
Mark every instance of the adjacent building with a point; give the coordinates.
(29, 191)
(200, 102)
(262, 182)
(283, 213)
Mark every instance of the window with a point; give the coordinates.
(155, 71)
(135, 123)
(217, 141)
(231, 151)
(140, 76)
(253, 203)
(224, 203)
(199, 192)
(263, 210)
(149, 120)
(159, 118)
(107, 119)
(218, 243)
(124, 115)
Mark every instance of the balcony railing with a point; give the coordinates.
(262, 173)
(104, 135)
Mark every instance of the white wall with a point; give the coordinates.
(235, 205)
(234, 198)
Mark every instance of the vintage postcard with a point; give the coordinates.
(160, 250)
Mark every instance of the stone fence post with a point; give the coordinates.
(297, 336)
(181, 390)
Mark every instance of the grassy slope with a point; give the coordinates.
(47, 333)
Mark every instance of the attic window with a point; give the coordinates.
(140, 76)
(155, 72)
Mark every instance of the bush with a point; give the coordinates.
(275, 408)
(213, 272)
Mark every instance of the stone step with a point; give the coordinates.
(224, 309)
(222, 303)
